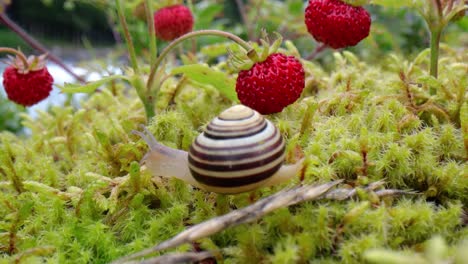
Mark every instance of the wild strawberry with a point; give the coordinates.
(271, 85)
(172, 22)
(337, 24)
(27, 84)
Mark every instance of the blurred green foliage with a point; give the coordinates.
(10, 39)
(55, 20)
(399, 30)
(9, 118)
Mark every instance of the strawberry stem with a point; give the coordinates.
(318, 49)
(174, 43)
(17, 53)
(245, 19)
(146, 98)
(439, 8)
(434, 65)
(128, 38)
(150, 22)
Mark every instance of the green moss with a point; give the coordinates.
(73, 189)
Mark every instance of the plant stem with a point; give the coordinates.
(128, 38)
(17, 53)
(318, 49)
(435, 40)
(150, 22)
(146, 98)
(174, 43)
(36, 45)
(245, 20)
(190, 5)
(439, 8)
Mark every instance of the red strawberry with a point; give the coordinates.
(336, 23)
(172, 22)
(27, 85)
(271, 85)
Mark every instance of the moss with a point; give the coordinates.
(73, 189)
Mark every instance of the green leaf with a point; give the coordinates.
(218, 49)
(206, 75)
(206, 16)
(295, 7)
(89, 87)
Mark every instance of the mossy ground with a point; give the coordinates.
(71, 192)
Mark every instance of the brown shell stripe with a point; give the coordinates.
(228, 163)
(266, 141)
(216, 170)
(227, 130)
(236, 181)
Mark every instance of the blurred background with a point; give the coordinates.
(86, 36)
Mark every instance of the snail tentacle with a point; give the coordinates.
(165, 161)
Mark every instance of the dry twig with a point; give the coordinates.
(187, 257)
(237, 217)
(252, 212)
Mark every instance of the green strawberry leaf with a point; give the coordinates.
(206, 75)
(89, 87)
(219, 49)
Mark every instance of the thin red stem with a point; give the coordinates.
(439, 8)
(321, 47)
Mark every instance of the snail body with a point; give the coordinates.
(239, 151)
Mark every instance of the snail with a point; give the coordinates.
(239, 151)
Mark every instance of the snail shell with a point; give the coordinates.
(239, 151)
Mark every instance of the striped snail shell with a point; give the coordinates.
(239, 151)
